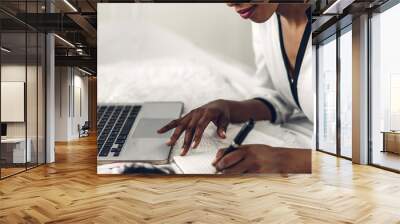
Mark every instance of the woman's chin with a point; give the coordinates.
(257, 19)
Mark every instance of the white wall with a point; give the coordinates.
(123, 29)
(62, 81)
(80, 84)
(146, 50)
(12, 73)
(33, 127)
(66, 119)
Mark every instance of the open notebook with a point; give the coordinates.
(198, 161)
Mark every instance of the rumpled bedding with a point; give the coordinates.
(173, 69)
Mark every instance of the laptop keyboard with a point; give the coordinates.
(113, 126)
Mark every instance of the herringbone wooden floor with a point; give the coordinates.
(69, 191)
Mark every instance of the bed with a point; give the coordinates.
(174, 69)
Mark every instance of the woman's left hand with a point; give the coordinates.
(263, 159)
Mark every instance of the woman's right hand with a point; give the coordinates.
(196, 121)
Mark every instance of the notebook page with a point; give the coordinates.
(198, 161)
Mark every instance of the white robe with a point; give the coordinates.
(273, 77)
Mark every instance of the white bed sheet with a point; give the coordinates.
(194, 83)
(173, 69)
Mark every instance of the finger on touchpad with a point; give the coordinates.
(147, 128)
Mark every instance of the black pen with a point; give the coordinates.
(240, 137)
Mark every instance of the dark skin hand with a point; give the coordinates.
(218, 112)
(251, 158)
(263, 159)
(223, 112)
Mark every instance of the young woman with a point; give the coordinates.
(282, 45)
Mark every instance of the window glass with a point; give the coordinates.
(346, 94)
(22, 91)
(385, 89)
(15, 149)
(327, 96)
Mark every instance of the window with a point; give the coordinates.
(22, 77)
(385, 89)
(16, 152)
(335, 74)
(327, 96)
(346, 93)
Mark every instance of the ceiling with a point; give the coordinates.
(74, 22)
(338, 14)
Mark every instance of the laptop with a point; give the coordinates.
(128, 132)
